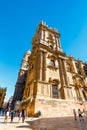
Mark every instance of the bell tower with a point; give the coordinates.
(48, 37)
(20, 84)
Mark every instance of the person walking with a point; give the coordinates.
(80, 115)
(19, 116)
(6, 116)
(23, 115)
(74, 112)
(12, 115)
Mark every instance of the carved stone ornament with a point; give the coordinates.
(54, 80)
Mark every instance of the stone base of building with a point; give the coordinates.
(55, 107)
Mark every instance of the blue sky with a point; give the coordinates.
(18, 22)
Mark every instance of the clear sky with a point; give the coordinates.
(18, 22)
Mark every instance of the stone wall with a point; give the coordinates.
(57, 108)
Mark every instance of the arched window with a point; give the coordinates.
(52, 62)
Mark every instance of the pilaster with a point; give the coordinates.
(81, 68)
(64, 72)
(41, 62)
(61, 78)
(44, 67)
(37, 66)
(73, 66)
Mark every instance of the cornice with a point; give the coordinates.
(47, 49)
(54, 81)
(52, 56)
(52, 67)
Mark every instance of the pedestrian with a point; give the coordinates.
(74, 112)
(23, 115)
(6, 116)
(80, 115)
(19, 116)
(12, 115)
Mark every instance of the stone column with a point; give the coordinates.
(78, 93)
(61, 78)
(37, 65)
(41, 33)
(61, 72)
(35, 90)
(44, 67)
(57, 40)
(41, 62)
(81, 67)
(44, 35)
(50, 90)
(83, 98)
(64, 72)
(73, 93)
(73, 66)
(68, 92)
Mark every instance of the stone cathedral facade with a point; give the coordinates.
(20, 84)
(55, 83)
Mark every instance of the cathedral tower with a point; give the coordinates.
(20, 85)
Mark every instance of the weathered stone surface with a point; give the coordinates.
(54, 81)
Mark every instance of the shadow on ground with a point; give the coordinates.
(63, 123)
(23, 126)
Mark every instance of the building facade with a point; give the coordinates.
(20, 84)
(54, 81)
(2, 96)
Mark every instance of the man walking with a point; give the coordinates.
(23, 115)
(74, 112)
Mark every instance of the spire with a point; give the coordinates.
(28, 52)
(43, 23)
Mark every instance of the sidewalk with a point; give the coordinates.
(63, 123)
(15, 125)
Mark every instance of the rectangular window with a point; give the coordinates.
(54, 91)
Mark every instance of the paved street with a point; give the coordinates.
(13, 126)
(44, 124)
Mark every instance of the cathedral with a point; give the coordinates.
(49, 81)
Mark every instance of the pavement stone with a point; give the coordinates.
(56, 123)
(15, 125)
